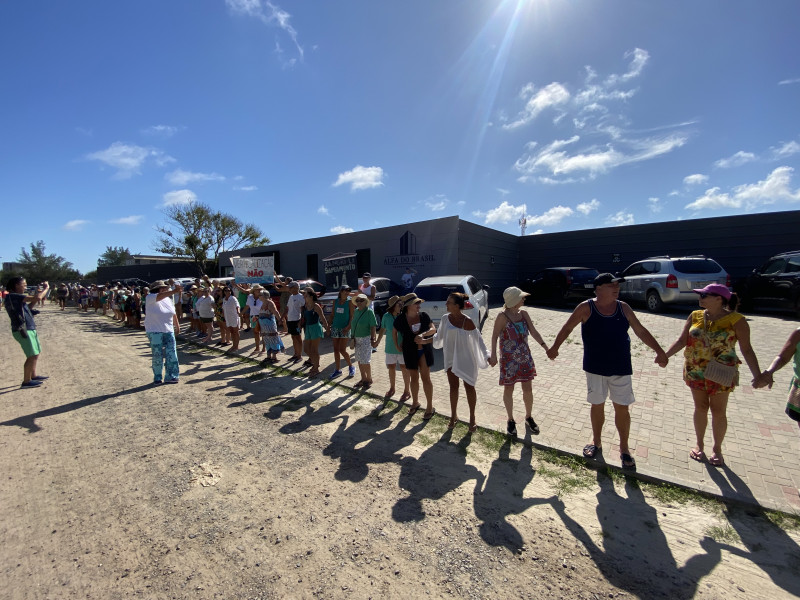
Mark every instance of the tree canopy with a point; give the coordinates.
(114, 256)
(38, 266)
(197, 231)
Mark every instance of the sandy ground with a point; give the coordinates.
(245, 483)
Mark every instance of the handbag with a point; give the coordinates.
(727, 375)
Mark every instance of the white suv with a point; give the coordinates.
(435, 290)
(663, 280)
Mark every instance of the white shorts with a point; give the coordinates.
(618, 387)
(394, 359)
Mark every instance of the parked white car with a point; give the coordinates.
(435, 290)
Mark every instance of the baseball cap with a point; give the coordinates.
(605, 278)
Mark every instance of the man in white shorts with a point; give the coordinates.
(607, 359)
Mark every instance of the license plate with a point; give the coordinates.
(588, 286)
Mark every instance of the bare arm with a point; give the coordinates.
(783, 358)
(534, 333)
(683, 338)
(579, 315)
(643, 334)
(322, 319)
(499, 323)
(742, 330)
(161, 295)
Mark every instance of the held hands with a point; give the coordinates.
(763, 380)
(492, 360)
(661, 359)
(552, 353)
(374, 343)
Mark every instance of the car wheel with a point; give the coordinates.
(654, 302)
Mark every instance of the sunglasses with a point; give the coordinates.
(360, 301)
(705, 295)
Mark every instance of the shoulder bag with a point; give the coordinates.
(727, 375)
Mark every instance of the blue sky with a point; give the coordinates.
(312, 118)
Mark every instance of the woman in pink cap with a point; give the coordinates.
(710, 367)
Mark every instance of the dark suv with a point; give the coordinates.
(560, 284)
(385, 288)
(776, 284)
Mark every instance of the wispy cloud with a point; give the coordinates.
(588, 207)
(785, 149)
(270, 14)
(128, 159)
(164, 131)
(132, 220)
(342, 229)
(655, 205)
(361, 178)
(620, 218)
(181, 177)
(75, 225)
(789, 81)
(737, 160)
(550, 96)
(179, 197)
(437, 203)
(695, 179)
(245, 188)
(776, 187)
(505, 213)
(550, 217)
(324, 211)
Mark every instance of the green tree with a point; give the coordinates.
(114, 256)
(38, 266)
(196, 231)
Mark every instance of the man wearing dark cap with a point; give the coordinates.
(605, 321)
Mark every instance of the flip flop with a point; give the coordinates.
(452, 423)
(405, 397)
(592, 451)
(697, 455)
(429, 416)
(473, 427)
(628, 464)
(413, 410)
(716, 461)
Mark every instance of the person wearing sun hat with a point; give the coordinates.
(394, 356)
(363, 325)
(160, 323)
(605, 322)
(709, 337)
(512, 327)
(413, 333)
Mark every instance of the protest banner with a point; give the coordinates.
(259, 269)
(340, 269)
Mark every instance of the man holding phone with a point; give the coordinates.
(23, 327)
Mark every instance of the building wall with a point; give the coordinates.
(148, 273)
(739, 243)
(491, 256)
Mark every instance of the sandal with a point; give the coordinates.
(716, 461)
(697, 454)
(628, 464)
(429, 415)
(452, 423)
(592, 451)
(405, 397)
(413, 410)
(389, 394)
(359, 384)
(473, 427)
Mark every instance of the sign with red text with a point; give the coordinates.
(259, 269)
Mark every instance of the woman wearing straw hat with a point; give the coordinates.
(512, 327)
(159, 325)
(413, 332)
(394, 356)
(362, 329)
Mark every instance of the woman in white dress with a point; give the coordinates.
(464, 353)
(230, 310)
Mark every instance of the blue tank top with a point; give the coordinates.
(606, 343)
(311, 317)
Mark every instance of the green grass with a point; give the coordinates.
(723, 534)
(784, 521)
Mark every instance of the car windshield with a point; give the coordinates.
(436, 293)
(583, 275)
(696, 265)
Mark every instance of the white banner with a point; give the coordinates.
(259, 269)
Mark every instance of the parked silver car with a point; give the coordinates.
(435, 290)
(663, 280)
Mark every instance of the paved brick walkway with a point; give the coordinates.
(761, 447)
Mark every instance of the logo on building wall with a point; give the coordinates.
(408, 256)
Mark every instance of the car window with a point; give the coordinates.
(634, 269)
(651, 267)
(696, 265)
(436, 293)
(583, 275)
(473, 285)
(776, 265)
(380, 286)
(552, 276)
(793, 265)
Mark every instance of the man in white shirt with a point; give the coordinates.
(408, 279)
(368, 289)
(292, 314)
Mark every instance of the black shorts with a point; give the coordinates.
(293, 327)
(206, 319)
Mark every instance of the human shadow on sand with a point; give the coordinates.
(768, 546)
(634, 550)
(29, 421)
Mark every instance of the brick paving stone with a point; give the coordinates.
(761, 441)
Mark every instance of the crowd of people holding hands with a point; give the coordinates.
(708, 341)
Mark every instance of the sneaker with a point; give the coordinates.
(335, 374)
(170, 381)
(512, 428)
(351, 371)
(40, 377)
(30, 384)
(157, 382)
(532, 424)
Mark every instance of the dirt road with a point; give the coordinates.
(244, 483)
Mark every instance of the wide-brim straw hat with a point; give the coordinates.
(158, 284)
(357, 297)
(393, 300)
(410, 299)
(512, 296)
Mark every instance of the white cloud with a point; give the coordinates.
(75, 225)
(437, 203)
(165, 131)
(587, 207)
(505, 213)
(737, 160)
(342, 229)
(181, 177)
(774, 188)
(639, 59)
(269, 14)
(695, 179)
(789, 81)
(620, 218)
(551, 95)
(128, 159)
(132, 220)
(714, 199)
(323, 210)
(361, 178)
(179, 197)
(552, 216)
(655, 205)
(245, 188)
(537, 232)
(503, 192)
(785, 149)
